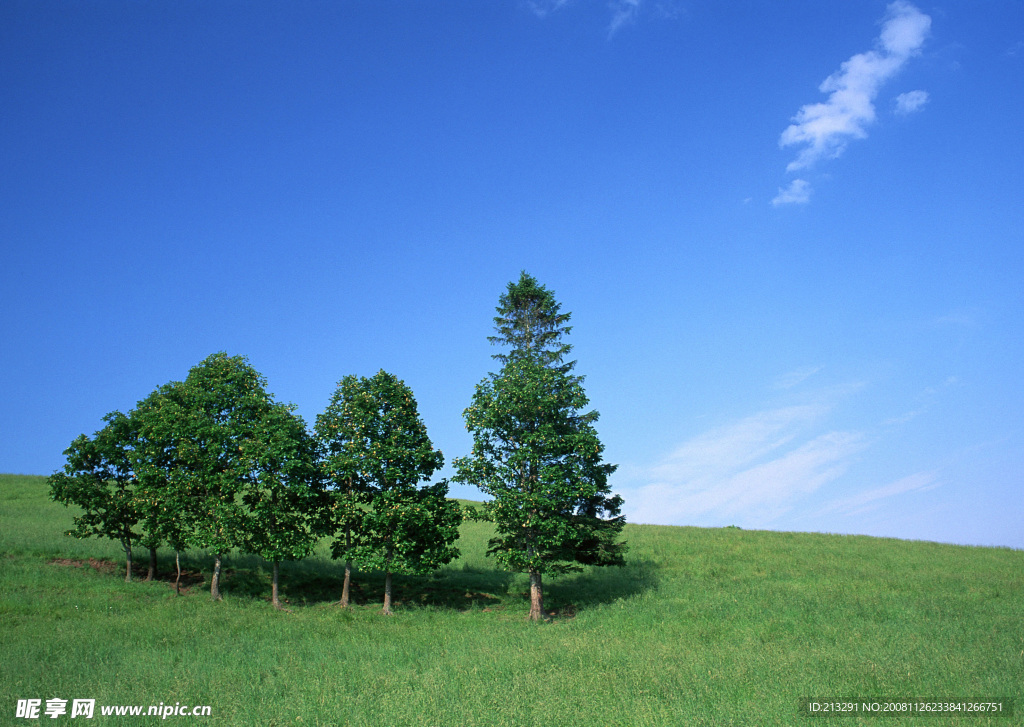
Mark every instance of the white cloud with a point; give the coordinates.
(963, 319)
(623, 12)
(871, 499)
(542, 8)
(751, 470)
(824, 129)
(798, 192)
(714, 454)
(796, 377)
(768, 489)
(783, 468)
(904, 30)
(718, 489)
(908, 103)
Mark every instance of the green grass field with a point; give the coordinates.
(702, 627)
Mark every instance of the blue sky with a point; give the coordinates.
(789, 232)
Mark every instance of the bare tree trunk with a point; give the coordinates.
(345, 586)
(348, 570)
(128, 562)
(387, 581)
(177, 563)
(152, 565)
(273, 586)
(387, 593)
(536, 597)
(215, 581)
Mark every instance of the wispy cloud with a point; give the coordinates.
(770, 487)
(758, 492)
(720, 451)
(825, 129)
(623, 12)
(924, 401)
(796, 377)
(543, 8)
(750, 470)
(908, 103)
(798, 192)
(962, 319)
(872, 499)
(787, 467)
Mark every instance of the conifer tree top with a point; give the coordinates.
(530, 324)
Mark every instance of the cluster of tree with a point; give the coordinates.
(214, 462)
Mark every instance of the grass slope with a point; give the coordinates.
(702, 627)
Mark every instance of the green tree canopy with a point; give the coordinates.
(204, 438)
(284, 496)
(377, 452)
(155, 460)
(100, 479)
(339, 430)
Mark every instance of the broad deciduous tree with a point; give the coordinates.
(339, 430)
(99, 478)
(377, 453)
(206, 427)
(164, 510)
(535, 451)
(283, 495)
(209, 462)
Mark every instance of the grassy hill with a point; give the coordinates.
(703, 627)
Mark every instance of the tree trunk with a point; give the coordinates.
(387, 593)
(536, 597)
(273, 586)
(348, 570)
(215, 581)
(127, 562)
(152, 565)
(387, 581)
(177, 563)
(345, 586)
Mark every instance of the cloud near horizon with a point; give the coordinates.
(779, 468)
(750, 471)
(872, 499)
(825, 129)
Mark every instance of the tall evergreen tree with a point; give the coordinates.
(530, 323)
(536, 453)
